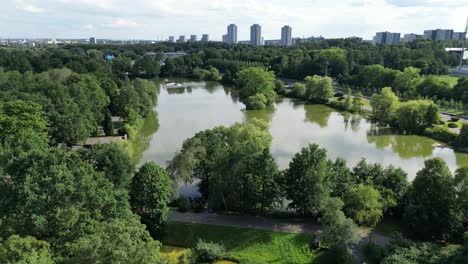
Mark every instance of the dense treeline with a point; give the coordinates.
(237, 173)
(60, 205)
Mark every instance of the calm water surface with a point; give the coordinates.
(193, 106)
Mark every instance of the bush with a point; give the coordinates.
(256, 102)
(189, 257)
(209, 251)
(197, 205)
(183, 203)
(454, 119)
(341, 98)
(440, 133)
(338, 95)
(452, 125)
(373, 252)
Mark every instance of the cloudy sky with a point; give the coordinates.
(156, 19)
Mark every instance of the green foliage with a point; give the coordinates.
(57, 197)
(440, 133)
(373, 252)
(117, 241)
(384, 105)
(319, 89)
(255, 81)
(415, 116)
(247, 245)
(209, 251)
(256, 102)
(22, 126)
(212, 74)
(305, 180)
(462, 139)
(147, 67)
(452, 125)
(280, 87)
(358, 103)
(363, 205)
(338, 231)
(112, 161)
(234, 165)
(299, 91)
(23, 250)
(430, 203)
(183, 204)
(149, 194)
(107, 124)
(402, 250)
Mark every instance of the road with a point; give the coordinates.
(277, 225)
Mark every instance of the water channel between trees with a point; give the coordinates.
(187, 107)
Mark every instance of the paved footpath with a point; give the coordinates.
(278, 225)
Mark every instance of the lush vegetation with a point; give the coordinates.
(247, 245)
(60, 205)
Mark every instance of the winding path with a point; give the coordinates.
(277, 225)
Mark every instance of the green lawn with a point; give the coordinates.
(452, 80)
(248, 245)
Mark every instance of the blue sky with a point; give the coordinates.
(156, 19)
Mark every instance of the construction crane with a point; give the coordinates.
(463, 46)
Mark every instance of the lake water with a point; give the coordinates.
(194, 106)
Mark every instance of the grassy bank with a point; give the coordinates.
(248, 245)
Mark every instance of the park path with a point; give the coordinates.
(277, 225)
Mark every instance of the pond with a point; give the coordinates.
(188, 107)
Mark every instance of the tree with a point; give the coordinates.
(461, 188)
(415, 116)
(107, 124)
(18, 249)
(348, 101)
(319, 89)
(462, 139)
(299, 91)
(339, 178)
(115, 241)
(234, 166)
(338, 231)
(256, 102)
(149, 195)
(305, 180)
(255, 80)
(358, 103)
(280, 87)
(22, 126)
(55, 196)
(430, 203)
(363, 205)
(146, 66)
(112, 161)
(384, 105)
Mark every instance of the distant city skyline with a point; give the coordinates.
(157, 20)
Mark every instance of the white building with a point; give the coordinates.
(232, 34)
(256, 35)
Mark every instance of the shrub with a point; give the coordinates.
(454, 119)
(256, 102)
(341, 98)
(440, 133)
(197, 205)
(373, 252)
(452, 125)
(189, 257)
(338, 95)
(209, 251)
(183, 203)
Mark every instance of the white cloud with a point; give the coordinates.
(150, 18)
(20, 4)
(120, 23)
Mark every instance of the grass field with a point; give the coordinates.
(452, 80)
(248, 245)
